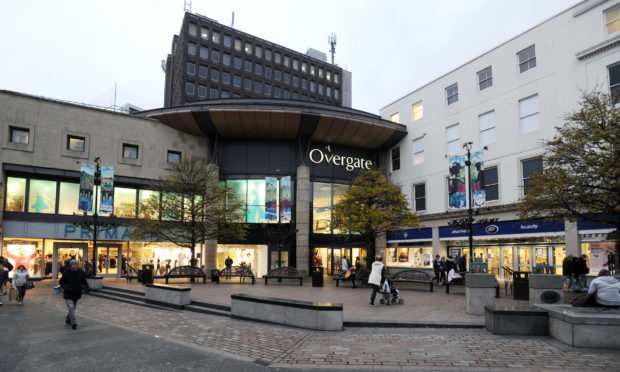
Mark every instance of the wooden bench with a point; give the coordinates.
(413, 276)
(461, 281)
(360, 275)
(240, 272)
(284, 273)
(191, 272)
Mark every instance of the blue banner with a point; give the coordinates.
(87, 182)
(411, 234)
(503, 228)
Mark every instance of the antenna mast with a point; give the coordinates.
(233, 20)
(187, 7)
(331, 39)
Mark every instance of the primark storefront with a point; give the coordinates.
(290, 162)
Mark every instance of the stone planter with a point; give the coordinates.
(95, 283)
(546, 289)
(479, 292)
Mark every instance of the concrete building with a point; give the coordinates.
(211, 61)
(508, 99)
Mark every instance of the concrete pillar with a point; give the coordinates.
(302, 219)
(210, 256)
(546, 289)
(380, 245)
(479, 292)
(571, 233)
(436, 243)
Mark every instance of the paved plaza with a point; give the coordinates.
(113, 335)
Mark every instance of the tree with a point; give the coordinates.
(581, 174)
(187, 207)
(371, 207)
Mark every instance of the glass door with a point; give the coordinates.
(524, 259)
(336, 261)
(108, 260)
(67, 251)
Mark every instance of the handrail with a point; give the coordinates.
(131, 267)
(508, 270)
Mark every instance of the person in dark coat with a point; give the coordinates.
(443, 268)
(463, 263)
(568, 270)
(581, 272)
(436, 268)
(457, 262)
(72, 282)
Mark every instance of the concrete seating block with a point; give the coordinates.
(95, 283)
(514, 320)
(479, 292)
(167, 295)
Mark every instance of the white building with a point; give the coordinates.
(509, 99)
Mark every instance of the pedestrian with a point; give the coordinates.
(457, 262)
(4, 277)
(72, 282)
(606, 288)
(358, 263)
(436, 268)
(568, 271)
(344, 266)
(20, 278)
(581, 272)
(449, 263)
(463, 263)
(443, 268)
(228, 263)
(377, 273)
(65, 267)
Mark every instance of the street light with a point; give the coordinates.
(469, 221)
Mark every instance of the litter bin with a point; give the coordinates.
(148, 267)
(317, 276)
(145, 276)
(521, 281)
(214, 274)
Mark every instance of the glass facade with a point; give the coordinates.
(124, 202)
(254, 194)
(42, 198)
(15, 194)
(410, 257)
(324, 197)
(69, 198)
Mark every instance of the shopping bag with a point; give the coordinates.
(12, 294)
(29, 284)
(347, 274)
(386, 287)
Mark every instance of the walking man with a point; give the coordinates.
(72, 282)
(376, 274)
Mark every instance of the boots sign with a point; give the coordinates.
(325, 156)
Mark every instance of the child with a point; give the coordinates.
(20, 278)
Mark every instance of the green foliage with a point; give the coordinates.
(372, 207)
(193, 207)
(581, 176)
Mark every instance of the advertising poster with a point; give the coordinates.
(478, 194)
(107, 190)
(456, 183)
(87, 180)
(285, 199)
(271, 198)
(598, 255)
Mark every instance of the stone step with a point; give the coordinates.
(212, 305)
(127, 301)
(129, 296)
(206, 310)
(123, 290)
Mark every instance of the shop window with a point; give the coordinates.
(69, 198)
(409, 257)
(124, 202)
(15, 194)
(321, 207)
(491, 184)
(339, 192)
(255, 211)
(419, 197)
(529, 168)
(152, 197)
(25, 252)
(42, 196)
(19, 135)
(75, 143)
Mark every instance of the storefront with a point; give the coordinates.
(410, 249)
(595, 244)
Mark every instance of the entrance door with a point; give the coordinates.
(108, 262)
(68, 251)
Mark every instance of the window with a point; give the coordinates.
(287, 61)
(204, 33)
(227, 41)
(491, 187)
(19, 135)
(213, 93)
(486, 124)
(191, 49)
(237, 62)
(75, 143)
(336, 93)
(215, 75)
(277, 75)
(277, 57)
(418, 151)
(614, 82)
(268, 54)
(286, 94)
(527, 59)
(202, 91)
(395, 159)
(191, 68)
(529, 168)
(528, 114)
(258, 69)
(69, 198)
(267, 89)
(320, 88)
(485, 78)
(215, 56)
(612, 20)
(225, 94)
(328, 91)
(304, 67)
(312, 70)
(202, 72)
(268, 72)
(304, 83)
(204, 53)
(328, 75)
(419, 197)
(312, 86)
(193, 29)
(16, 194)
(295, 81)
(174, 157)
(225, 78)
(418, 111)
(321, 72)
(215, 37)
(42, 196)
(295, 95)
(395, 118)
(226, 59)
(237, 81)
(248, 66)
(247, 84)
(125, 202)
(453, 136)
(295, 64)
(189, 88)
(276, 92)
(258, 51)
(287, 78)
(258, 86)
(238, 44)
(336, 78)
(130, 151)
(248, 48)
(452, 93)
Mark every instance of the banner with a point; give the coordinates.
(285, 199)
(271, 198)
(87, 180)
(107, 190)
(478, 193)
(456, 183)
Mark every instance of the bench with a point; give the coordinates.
(311, 315)
(167, 295)
(234, 271)
(461, 281)
(191, 272)
(413, 276)
(516, 320)
(361, 275)
(284, 273)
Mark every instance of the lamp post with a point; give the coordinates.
(469, 221)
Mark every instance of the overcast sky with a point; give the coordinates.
(78, 50)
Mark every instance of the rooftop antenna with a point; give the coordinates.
(233, 20)
(163, 65)
(187, 7)
(331, 39)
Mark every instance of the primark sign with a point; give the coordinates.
(328, 155)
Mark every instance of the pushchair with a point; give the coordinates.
(391, 295)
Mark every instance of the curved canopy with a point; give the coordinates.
(281, 119)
